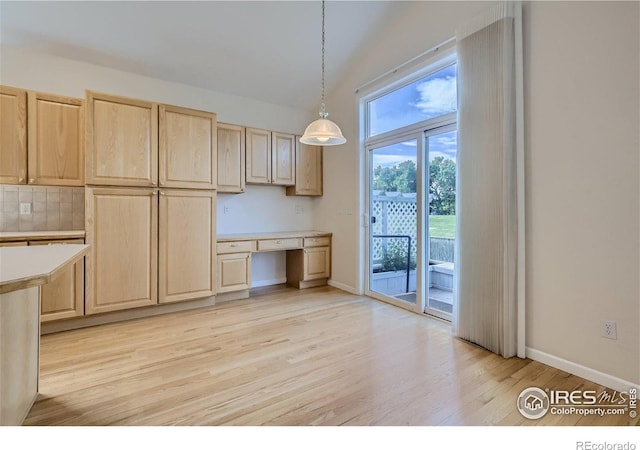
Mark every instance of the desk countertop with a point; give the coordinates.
(8, 236)
(275, 235)
(24, 267)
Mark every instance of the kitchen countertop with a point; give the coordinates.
(23, 267)
(8, 236)
(275, 235)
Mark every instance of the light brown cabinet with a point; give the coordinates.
(234, 266)
(148, 247)
(308, 171)
(231, 154)
(234, 272)
(186, 234)
(270, 157)
(56, 140)
(122, 230)
(187, 145)
(52, 126)
(283, 157)
(258, 159)
(63, 296)
(122, 141)
(13, 135)
(310, 266)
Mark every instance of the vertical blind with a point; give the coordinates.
(489, 216)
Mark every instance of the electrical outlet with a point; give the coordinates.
(299, 209)
(225, 209)
(25, 208)
(609, 329)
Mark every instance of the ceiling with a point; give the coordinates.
(266, 50)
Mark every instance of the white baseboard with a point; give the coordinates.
(588, 373)
(262, 283)
(344, 287)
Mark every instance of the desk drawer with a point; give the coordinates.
(317, 241)
(235, 247)
(278, 244)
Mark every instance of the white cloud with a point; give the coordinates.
(437, 96)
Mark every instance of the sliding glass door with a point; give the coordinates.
(394, 241)
(441, 146)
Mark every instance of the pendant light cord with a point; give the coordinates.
(323, 113)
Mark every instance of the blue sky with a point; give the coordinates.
(428, 97)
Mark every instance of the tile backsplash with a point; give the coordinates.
(52, 208)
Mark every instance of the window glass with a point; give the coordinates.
(426, 98)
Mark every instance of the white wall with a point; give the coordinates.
(582, 171)
(582, 149)
(258, 209)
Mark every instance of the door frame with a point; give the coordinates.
(397, 138)
(453, 126)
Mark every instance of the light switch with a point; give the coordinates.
(25, 208)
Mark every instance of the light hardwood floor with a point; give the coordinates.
(314, 357)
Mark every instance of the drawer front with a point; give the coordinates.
(278, 244)
(317, 241)
(234, 247)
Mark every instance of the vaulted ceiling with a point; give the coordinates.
(266, 50)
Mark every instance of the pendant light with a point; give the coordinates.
(323, 131)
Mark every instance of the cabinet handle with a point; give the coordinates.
(21, 180)
(161, 183)
(32, 180)
(233, 245)
(162, 193)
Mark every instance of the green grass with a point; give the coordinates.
(442, 226)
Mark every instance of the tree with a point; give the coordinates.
(398, 178)
(402, 178)
(442, 186)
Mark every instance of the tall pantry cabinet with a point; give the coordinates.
(150, 203)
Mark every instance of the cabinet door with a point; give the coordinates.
(317, 263)
(63, 296)
(258, 158)
(187, 145)
(13, 135)
(122, 230)
(186, 244)
(283, 159)
(234, 272)
(122, 141)
(231, 166)
(308, 170)
(56, 141)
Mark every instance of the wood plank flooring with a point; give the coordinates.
(314, 357)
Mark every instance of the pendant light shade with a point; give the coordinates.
(323, 131)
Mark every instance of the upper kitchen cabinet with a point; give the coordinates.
(52, 126)
(283, 169)
(231, 153)
(122, 141)
(13, 135)
(308, 171)
(187, 148)
(258, 159)
(56, 140)
(270, 157)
